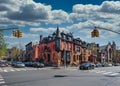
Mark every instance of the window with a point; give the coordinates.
(57, 45)
(70, 38)
(50, 38)
(64, 37)
(77, 42)
(54, 36)
(70, 46)
(78, 49)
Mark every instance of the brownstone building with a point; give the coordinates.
(61, 48)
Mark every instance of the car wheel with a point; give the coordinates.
(88, 68)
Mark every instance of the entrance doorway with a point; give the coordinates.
(48, 58)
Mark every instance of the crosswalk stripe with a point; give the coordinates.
(2, 82)
(113, 74)
(1, 79)
(105, 72)
(20, 69)
(17, 69)
(100, 71)
(108, 73)
(5, 70)
(12, 70)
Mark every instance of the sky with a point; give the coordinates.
(41, 17)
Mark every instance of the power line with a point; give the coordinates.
(108, 30)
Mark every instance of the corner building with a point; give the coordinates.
(61, 48)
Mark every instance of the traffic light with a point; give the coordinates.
(19, 33)
(15, 33)
(92, 34)
(95, 33)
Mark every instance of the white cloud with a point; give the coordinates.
(48, 30)
(25, 11)
(80, 8)
(111, 7)
(58, 17)
(28, 11)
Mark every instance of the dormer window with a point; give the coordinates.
(78, 49)
(54, 36)
(64, 37)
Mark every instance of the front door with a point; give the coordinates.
(48, 57)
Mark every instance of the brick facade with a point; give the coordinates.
(60, 48)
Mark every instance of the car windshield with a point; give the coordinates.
(86, 64)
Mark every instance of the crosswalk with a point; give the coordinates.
(105, 72)
(2, 82)
(10, 69)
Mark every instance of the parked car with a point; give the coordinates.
(19, 64)
(106, 64)
(38, 64)
(3, 64)
(13, 63)
(28, 64)
(98, 65)
(116, 64)
(87, 66)
(9, 63)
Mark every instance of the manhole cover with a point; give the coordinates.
(60, 76)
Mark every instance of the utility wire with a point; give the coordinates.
(108, 30)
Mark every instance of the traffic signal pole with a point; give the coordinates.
(18, 34)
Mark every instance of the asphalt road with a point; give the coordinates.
(109, 76)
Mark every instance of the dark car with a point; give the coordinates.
(87, 66)
(28, 64)
(38, 64)
(98, 65)
(105, 64)
(116, 64)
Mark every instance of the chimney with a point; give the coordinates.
(41, 39)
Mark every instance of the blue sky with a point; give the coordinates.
(41, 17)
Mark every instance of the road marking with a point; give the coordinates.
(113, 74)
(108, 73)
(5, 70)
(17, 69)
(1, 79)
(12, 70)
(101, 72)
(2, 82)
